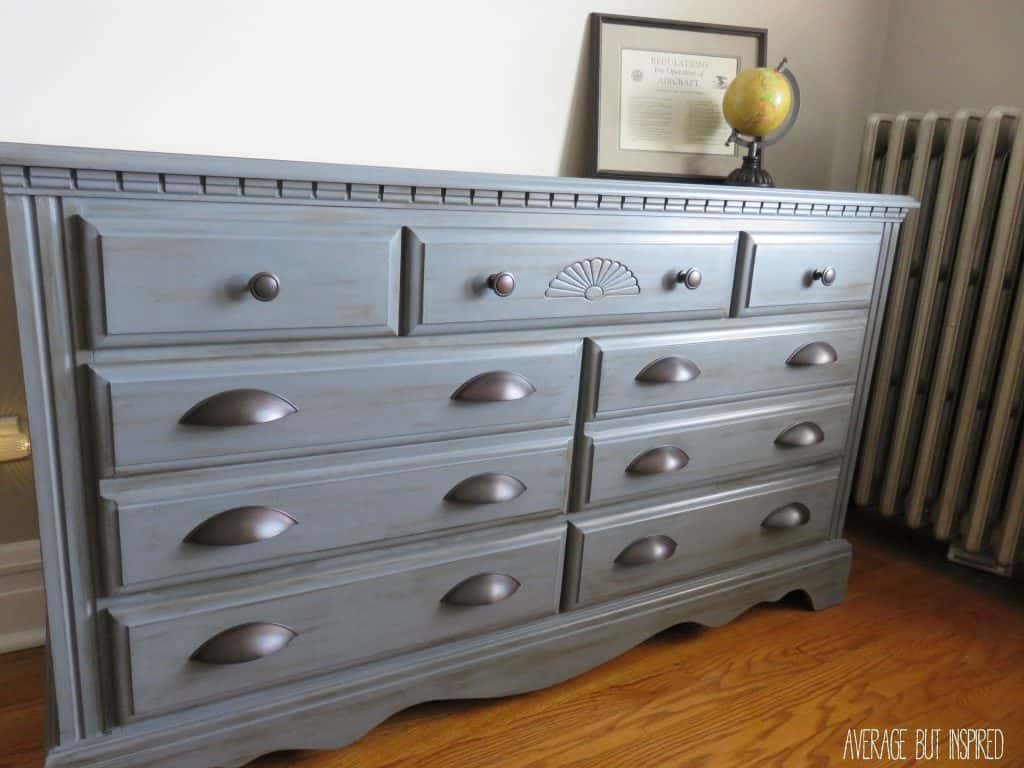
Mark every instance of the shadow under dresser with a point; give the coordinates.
(316, 443)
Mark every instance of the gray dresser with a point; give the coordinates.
(316, 443)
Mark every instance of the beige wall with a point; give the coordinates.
(948, 54)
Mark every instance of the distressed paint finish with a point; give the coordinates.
(370, 608)
(781, 272)
(720, 441)
(703, 527)
(185, 268)
(121, 262)
(564, 275)
(374, 496)
(733, 363)
(345, 400)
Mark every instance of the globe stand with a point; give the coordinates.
(751, 173)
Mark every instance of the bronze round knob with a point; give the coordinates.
(502, 283)
(264, 286)
(691, 278)
(826, 276)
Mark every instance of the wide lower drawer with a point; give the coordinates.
(216, 412)
(617, 554)
(380, 604)
(644, 455)
(492, 278)
(179, 271)
(636, 373)
(173, 525)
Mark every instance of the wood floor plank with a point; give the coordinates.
(919, 643)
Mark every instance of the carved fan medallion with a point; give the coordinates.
(593, 279)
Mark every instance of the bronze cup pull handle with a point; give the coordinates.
(801, 435)
(657, 461)
(648, 550)
(668, 370)
(494, 387)
(486, 488)
(238, 408)
(241, 525)
(815, 353)
(786, 517)
(245, 643)
(482, 589)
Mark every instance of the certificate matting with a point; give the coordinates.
(672, 102)
(646, 138)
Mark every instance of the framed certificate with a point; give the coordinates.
(658, 88)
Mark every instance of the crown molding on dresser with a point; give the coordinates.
(30, 169)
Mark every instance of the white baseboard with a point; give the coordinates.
(22, 603)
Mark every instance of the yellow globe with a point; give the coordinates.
(758, 101)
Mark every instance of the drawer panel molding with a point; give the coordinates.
(184, 272)
(166, 415)
(501, 278)
(173, 655)
(660, 454)
(634, 374)
(806, 271)
(622, 552)
(177, 525)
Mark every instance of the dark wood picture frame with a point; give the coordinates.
(685, 166)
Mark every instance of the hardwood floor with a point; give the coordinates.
(919, 643)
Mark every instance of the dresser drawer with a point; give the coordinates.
(182, 271)
(617, 554)
(225, 411)
(178, 524)
(629, 373)
(805, 272)
(563, 277)
(174, 655)
(632, 457)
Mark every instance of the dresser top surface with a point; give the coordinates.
(29, 168)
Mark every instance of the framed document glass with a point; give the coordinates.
(658, 94)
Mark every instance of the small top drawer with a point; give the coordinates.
(184, 414)
(639, 373)
(484, 279)
(179, 272)
(806, 272)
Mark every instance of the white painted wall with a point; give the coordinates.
(483, 85)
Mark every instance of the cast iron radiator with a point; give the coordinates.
(942, 445)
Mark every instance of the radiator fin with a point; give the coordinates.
(942, 440)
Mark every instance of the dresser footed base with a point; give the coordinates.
(331, 712)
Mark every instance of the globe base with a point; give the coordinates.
(750, 174)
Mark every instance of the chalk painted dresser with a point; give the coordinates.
(315, 443)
